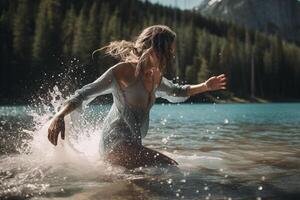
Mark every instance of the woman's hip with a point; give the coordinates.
(130, 154)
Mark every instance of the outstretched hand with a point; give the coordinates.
(216, 83)
(57, 126)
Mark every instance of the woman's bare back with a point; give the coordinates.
(126, 76)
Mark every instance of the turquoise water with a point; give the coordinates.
(224, 151)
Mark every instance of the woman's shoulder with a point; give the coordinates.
(124, 67)
(124, 72)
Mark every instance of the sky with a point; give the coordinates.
(183, 4)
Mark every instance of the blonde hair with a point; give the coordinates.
(156, 38)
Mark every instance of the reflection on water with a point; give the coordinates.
(238, 151)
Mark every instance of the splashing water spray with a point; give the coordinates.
(39, 165)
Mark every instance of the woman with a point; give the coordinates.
(135, 82)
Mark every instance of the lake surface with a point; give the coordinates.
(224, 151)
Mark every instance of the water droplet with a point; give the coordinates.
(163, 121)
(186, 173)
(226, 121)
(260, 188)
(206, 188)
(263, 178)
(208, 196)
(164, 140)
(183, 181)
(169, 181)
(177, 194)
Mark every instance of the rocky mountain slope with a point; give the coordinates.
(272, 16)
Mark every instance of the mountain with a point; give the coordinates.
(280, 17)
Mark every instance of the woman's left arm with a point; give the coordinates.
(176, 93)
(212, 84)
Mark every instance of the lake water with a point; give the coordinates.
(224, 151)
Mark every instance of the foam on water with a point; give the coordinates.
(40, 164)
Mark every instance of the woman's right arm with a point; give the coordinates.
(58, 124)
(102, 85)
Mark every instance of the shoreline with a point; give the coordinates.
(246, 100)
(235, 99)
(208, 100)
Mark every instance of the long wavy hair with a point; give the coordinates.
(156, 38)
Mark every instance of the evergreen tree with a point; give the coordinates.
(214, 57)
(79, 36)
(38, 31)
(92, 38)
(204, 72)
(112, 29)
(191, 74)
(68, 32)
(46, 43)
(22, 31)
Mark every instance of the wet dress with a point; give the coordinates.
(128, 118)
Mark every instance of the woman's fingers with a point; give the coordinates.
(49, 135)
(55, 138)
(56, 127)
(217, 82)
(54, 134)
(221, 76)
(222, 79)
(62, 130)
(57, 130)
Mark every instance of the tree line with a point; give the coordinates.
(41, 39)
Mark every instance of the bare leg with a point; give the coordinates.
(133, 156)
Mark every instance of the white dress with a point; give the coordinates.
(128, 118)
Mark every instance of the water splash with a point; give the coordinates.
(38, 165)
